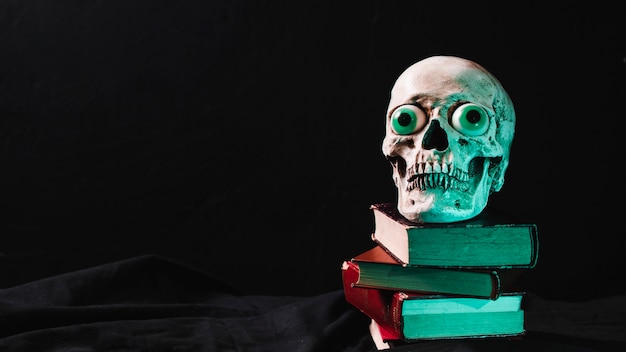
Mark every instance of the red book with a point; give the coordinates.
(379, 305)
(378, 269)
(407, 316)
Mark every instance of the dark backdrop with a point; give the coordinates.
(243, 137)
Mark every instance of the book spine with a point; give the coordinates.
(396, 312)
(376, 304)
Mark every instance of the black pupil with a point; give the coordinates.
(404, 119)
(473, 116)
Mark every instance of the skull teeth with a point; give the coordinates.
(436, 174)
(430, 167)
(438, 180)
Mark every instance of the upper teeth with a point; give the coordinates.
(436, 166)
(434, 173)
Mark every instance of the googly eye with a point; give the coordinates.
(408, 119)
(470, 119)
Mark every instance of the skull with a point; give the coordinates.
(449, 129)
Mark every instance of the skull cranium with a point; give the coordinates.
(449, 129)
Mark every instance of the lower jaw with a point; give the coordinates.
(438, 205)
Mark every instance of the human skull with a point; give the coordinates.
(449, 129)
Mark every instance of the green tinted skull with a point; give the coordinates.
(449, 130)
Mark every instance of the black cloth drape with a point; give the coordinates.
(152, 303)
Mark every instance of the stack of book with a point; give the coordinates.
(441, 280)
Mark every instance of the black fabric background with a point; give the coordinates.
(242, 138)
(151, 303)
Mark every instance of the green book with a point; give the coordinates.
(489, 240)
(435, 317)
(378, 269)
(402, 315)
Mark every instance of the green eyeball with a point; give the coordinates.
(408, 119)
(470, 119)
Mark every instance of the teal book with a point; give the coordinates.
(439, 317)
(378, 269)
(408, 316)
(490, 240)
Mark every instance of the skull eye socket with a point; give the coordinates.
(408, 119)
(470, 119)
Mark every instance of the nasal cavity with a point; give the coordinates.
(435, 137)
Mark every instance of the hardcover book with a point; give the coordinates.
(489, 240)
(410, 316)
(378, 269)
